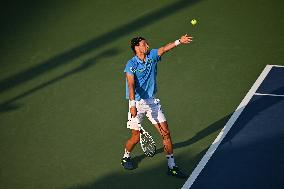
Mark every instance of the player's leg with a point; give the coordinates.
(133, 124)
(131, 142)
(164, 131)
(158, 119)
(126, 161)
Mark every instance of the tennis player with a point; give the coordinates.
(141, 86)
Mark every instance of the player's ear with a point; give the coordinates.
(147, 44)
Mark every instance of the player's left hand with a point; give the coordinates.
(185, 39)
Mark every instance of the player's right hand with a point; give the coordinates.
(133, 111)
(185, 39)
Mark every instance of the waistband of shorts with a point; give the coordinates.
(145, 101)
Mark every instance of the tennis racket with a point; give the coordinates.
(147, 142)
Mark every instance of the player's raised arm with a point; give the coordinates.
(185, 39)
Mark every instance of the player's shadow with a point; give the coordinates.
(10, 104)
(94, 44)
(198, 136)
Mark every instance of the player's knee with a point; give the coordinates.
(135, 138)
(166, 135)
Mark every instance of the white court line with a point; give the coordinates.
(261, 94)
(226, 128)
(279, 66)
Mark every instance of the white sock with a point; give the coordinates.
(126, 154)
(171, 161)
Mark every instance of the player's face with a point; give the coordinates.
(143, 46)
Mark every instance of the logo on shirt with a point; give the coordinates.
(133, 70)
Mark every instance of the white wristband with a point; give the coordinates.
(132, 103)
(177, 42)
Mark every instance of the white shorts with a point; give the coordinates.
(151, 107)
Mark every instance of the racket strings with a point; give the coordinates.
(148, 144)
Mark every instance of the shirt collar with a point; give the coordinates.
(140, 61)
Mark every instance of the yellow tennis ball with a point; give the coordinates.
(193, 22)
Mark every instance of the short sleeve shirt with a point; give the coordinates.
(145, 74)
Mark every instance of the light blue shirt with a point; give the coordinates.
(145, 74)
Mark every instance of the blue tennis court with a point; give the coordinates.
(249, 151)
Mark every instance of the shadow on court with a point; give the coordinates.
(258, 105)
(9, 104)
(156, 177)
(94, 44)
(201, 134)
